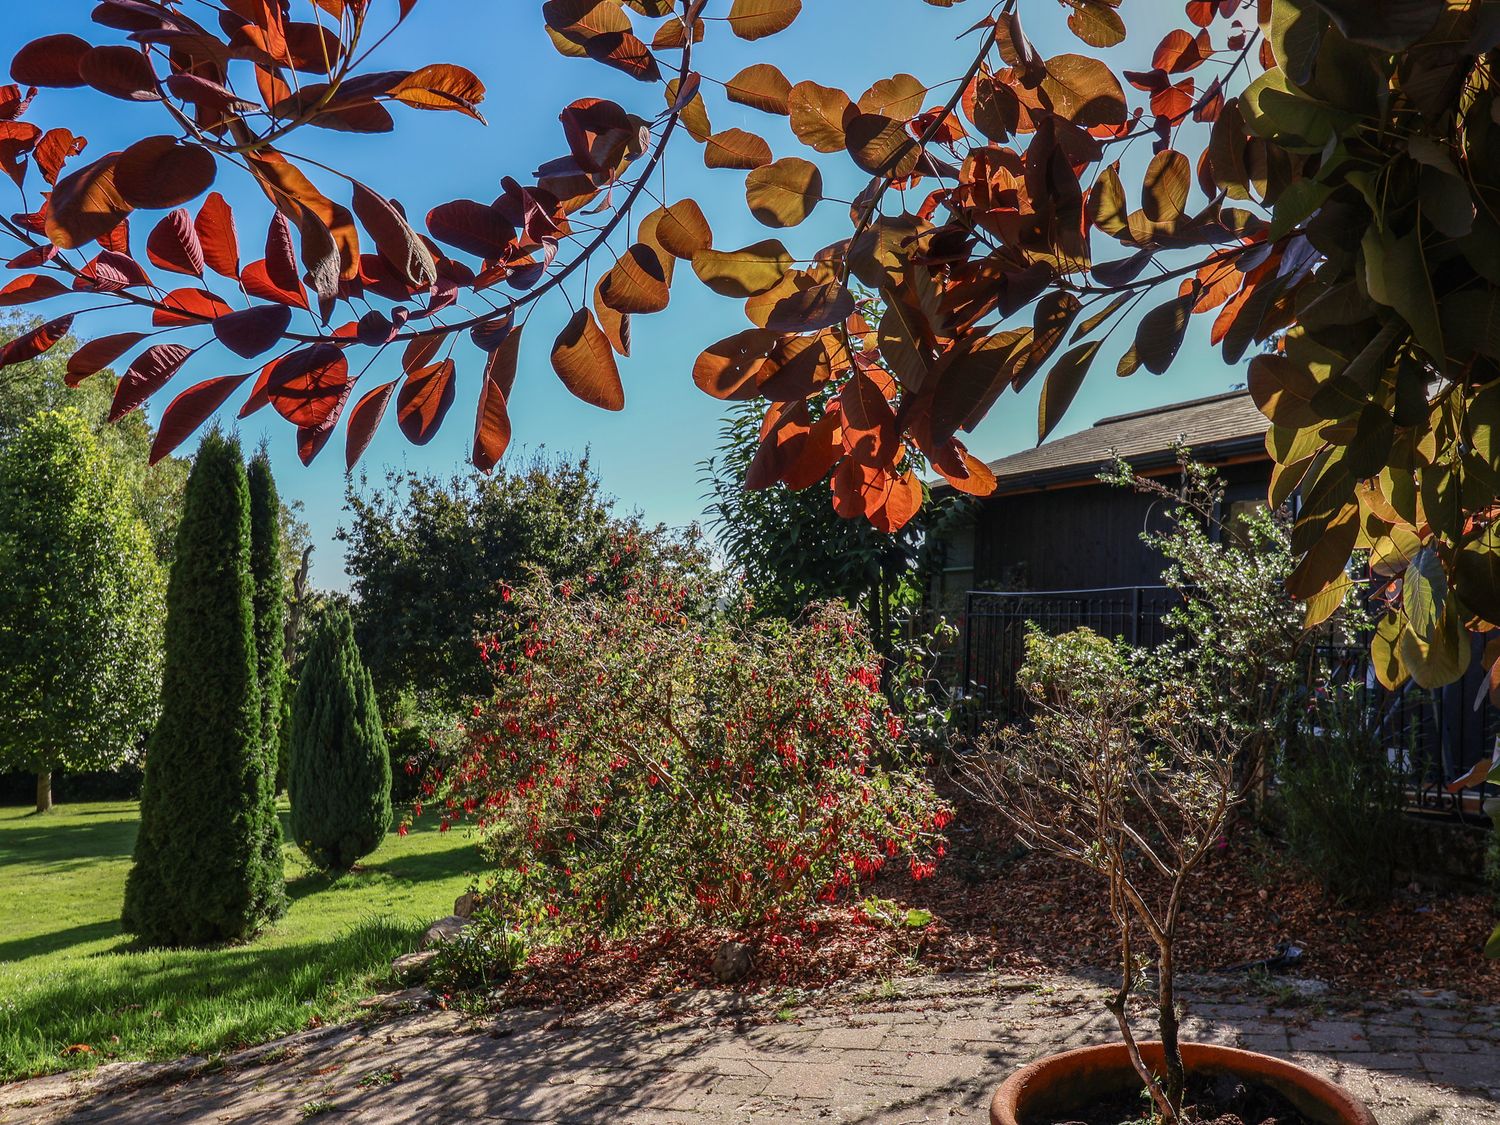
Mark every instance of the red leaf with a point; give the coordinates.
(363, 420)
(254, 331)
(158, 173)
(870, 431)
(117, 238)
(86, 205)
(109, 272)
(150, 372)
(259, 397)
(189, 410)
(35, 342)
(54, 149)
(215, 228)
(307, 386)
(312, 439)
(121, 72)
(98, 354)
(190, 306)
(492, 423)
(424, 399)
(1180, 51)
(174, 245)
(786, 433)
(31, 287)
(902, 501)
(52, 60)
(17, 140)
(257, 281)
(281, 255)
(13, 103)
(395, 239)
(860, 490)
(475, 228)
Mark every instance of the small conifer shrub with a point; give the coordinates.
(340, 779)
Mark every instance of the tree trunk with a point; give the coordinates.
(43, 790)
(1176, 1076)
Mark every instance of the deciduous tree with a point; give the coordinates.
(80, 606)
(429, 558)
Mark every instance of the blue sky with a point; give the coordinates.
(648, 455)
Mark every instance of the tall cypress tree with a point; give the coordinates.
(202, 871)
(270, 607)
(340, 782)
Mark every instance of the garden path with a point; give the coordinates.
(922, 1050)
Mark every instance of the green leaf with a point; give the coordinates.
(1397, 276)
(1424, 592)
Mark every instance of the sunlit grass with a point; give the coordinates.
(70, 978)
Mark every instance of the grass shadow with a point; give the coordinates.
(58, 844)
(41, 944)
(161, 1004)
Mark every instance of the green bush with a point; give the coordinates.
(1343, 801)
(340, 781)
(482, 954)
(205, 870)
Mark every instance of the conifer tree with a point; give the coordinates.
(270, 606)
(340, 782)
(203, 871)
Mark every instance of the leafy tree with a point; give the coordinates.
(203, 870)
(340, 781)
(793, 549)
(80, 606)
(429, 557)
(1345, 209)
(42, 383)
(268, 571)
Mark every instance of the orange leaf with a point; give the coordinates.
(586, 365)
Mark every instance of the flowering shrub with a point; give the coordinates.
(640, 764)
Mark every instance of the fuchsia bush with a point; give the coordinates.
(640, 764)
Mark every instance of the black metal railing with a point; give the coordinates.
(994, 634)
(1431, 736)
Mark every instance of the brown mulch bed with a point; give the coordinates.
(997, 906)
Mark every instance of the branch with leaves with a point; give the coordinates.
(1316, 174)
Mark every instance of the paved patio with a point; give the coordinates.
(893, 1054)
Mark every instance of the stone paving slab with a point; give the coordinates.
(927, 1050)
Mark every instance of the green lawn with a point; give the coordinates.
(68, 976)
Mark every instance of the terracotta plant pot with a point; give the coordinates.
(1071, 1082)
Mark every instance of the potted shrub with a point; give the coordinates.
(1127, 779)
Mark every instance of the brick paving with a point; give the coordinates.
(923, 1050)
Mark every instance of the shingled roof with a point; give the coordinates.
(1215, 428)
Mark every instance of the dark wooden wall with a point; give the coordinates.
(1083, 537)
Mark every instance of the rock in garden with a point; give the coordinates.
(466, 904)
(732, 962)
(413, 966)
(444, 929)
(397, 1001)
